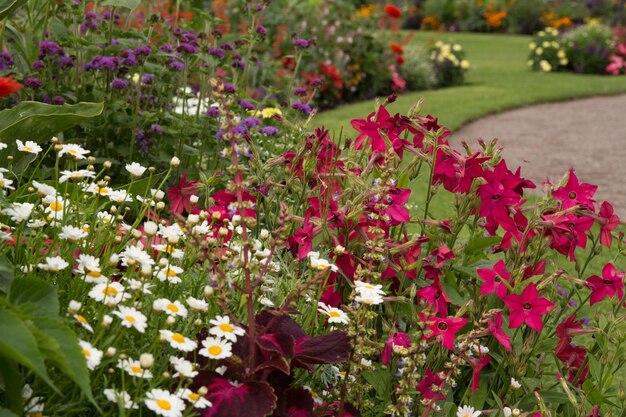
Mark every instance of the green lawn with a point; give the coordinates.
(498, 79)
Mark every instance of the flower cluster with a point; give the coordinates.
(449, 63)
(547, 53)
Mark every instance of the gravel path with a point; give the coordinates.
(547, 139)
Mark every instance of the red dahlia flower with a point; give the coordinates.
(527, 308)
(609, 285)
(393, 11)
(9, 86)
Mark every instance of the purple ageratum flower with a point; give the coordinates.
(187, 48)
(239, 130)
(302, 43)
(167, 48)
(147, 78)
(142, 50)
(261, 30)
(119, 84)
(229, 88)
(156, 128)
(315, 82)
(219, 135)
(213, 112)
(33, 82)
(6, 61)
(129, 61)
(49, 48)
(66, 62)
(303, 107)
(37, 65)
(238, 64)
(247, 105)
(216, 52)
(100, 62)
(269, 131)
(58, 100)
(300, 91)
(251, 122)
(176, 65)
(227, 46)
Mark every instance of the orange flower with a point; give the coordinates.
(393, 11)
(396, 48)
(495, 19)
(430, 22)
(9, 86)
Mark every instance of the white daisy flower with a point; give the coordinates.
(119, 196)
(334, 314)
(96, 189)
(53, 264)
(178, 341)
(183, 367)
(320, 264)
(73, 150)
(137, 285)
(132, 317)
(164, 404)
(369, 298)
(72, 233)
(216, 348)
(3, 146)
(132, 255)
(515, 384)
(32, 405)
(28, 147)
(55, 206)
(266, 301)
(86, 263)
(467, 411)
(133, 368)
(83, 322)
(120, 397)
(109, 293)
(19, 212)
(170, 274)
(81, 174)
(173, 251)
(197, 305)
(135, 169)
(175, 308)
(193, 398)
(92, 355)
(105, 216)
(6, 183)
(171, 233)
(223, 328)
(366, 288)
(44, 189)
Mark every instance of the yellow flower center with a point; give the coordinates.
(94, 274)
(110, 291)
(130, 319)
(215, 350)
(102, 190)
(169, 249)
(81, 319)
(86, 353)
(170, 273)
(27, 148)
(164, 404)
(334, 314)
(193, 396)
(226, 328)
(136, 370)
(56, 206)
(73, 152)
(178, 338)
(172, 307)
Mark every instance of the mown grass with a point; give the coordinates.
(499, 79)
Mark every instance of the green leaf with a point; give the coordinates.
(9, 6)
(6, 273)
(129, 4)
(19, 344)
(380, 380)
(595, 367)
(6, 413)
(37, 293)
(453, 294)
(13, 383)
(39, 122)
(59, 345)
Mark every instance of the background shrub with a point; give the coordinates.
(417, 70)
(588, 48)
(525, 16)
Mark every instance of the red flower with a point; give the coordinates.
(426, 385)
(527, 308)
(609, 285)
(446, 329)
(399, 339)
(608, 221)
(435, 296)
(495, 327)
(477, 365)
(396, 48)
(393, 11)
(494, 279)
(573, 193)
(180, 194)
(9, 86)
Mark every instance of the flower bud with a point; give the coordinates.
(106, 321)
(74, 307)
(110, 352)
(170, 321)
(193, 199)
(150, 228)
(174, 162)
(146, 360)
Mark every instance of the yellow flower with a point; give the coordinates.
(545, 66)
(270, 112)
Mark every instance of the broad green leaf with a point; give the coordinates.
(9, 6)
(453, 294)
(7, 413)
(30, 120)
(129, 4)
(59, 345)
(6, 274)
(37, 292)
(12, 382)
(595, 367)
(380, 380)
(19, 344)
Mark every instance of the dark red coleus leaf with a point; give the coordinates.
(250, 399)
(333, 347)
(294, 402)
